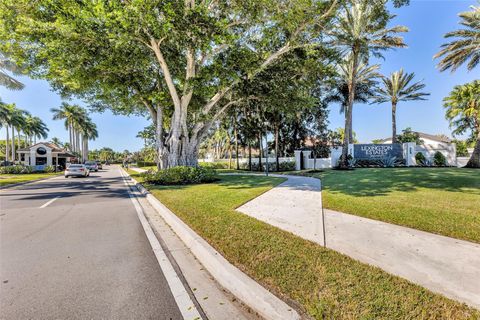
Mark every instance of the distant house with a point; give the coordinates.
(429, 141)
(44, 153)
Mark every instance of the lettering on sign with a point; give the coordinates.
(377, 151)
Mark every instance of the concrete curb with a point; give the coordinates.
(250, 292)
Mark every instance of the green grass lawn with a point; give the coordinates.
(328, 285)
(6, 179)
(445, 201)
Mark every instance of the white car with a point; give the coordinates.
(77, 170)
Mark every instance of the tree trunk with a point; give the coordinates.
(13, 143)
(350, 135)
(260, 152)
(70, 136)
(474, 161)
(236, 140)
(7, 144)
(159, 140)
(19, 140)
(77, 140)
(277, 160)
(394, 122)
(349, 111)
(249, 156)
(86, 149)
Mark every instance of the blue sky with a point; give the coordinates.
(428, 21)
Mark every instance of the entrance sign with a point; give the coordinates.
(377, 151)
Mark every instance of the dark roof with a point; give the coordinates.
(435, 137)
(52, 146)
(66, 154)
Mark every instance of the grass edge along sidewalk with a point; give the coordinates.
(325, 283)
(443, 201)
(10, 180)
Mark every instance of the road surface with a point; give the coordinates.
(74, 248)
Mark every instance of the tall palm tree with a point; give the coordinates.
(80, 127)
(6, 65)
(360, 32)
(72, 116)
(463, 112)
(38, 129)
(15, 120)
(364, 87)
(5, 114)
(396, 88)
(467, 45)
(56, 141)
(88, 132)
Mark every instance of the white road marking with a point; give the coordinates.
(49, 202)
(180, 294)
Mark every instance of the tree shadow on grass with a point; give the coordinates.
(383, 181)
(227, 181)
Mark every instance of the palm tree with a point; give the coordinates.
(5, 114)
(360, 32)
(56, 141)
(364, 87)
(89, 132)
(79, 125)
(463, 112)
(35, 128)
(6, 65)
(467, 45)
(72, 116)
(13, 119)
(396, 88)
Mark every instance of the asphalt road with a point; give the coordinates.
(83, 255)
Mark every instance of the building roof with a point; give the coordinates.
(52, 146)
(434, 137)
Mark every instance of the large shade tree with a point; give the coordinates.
(179, 60)
(396, 88)
(362, 31)
(8, 67)
(465, 46)
(463, 111)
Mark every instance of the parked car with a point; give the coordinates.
(77, 170)
(99, 164)
(91, 165)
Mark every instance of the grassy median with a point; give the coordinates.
(445, 201)
(6, 179)
(328, 285)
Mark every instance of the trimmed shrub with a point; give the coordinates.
(287, 166)
(420, 158)
(49, 169)
(272, 166)
(17, 169)
(146, 163)
(439, 159)
(217, 165)
(180, 176)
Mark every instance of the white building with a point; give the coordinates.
(44, 153)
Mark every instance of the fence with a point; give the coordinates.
(304, 160)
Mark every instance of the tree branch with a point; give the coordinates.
(166, 72)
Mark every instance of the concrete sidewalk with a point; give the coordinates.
(139, 170)
(444, 265)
